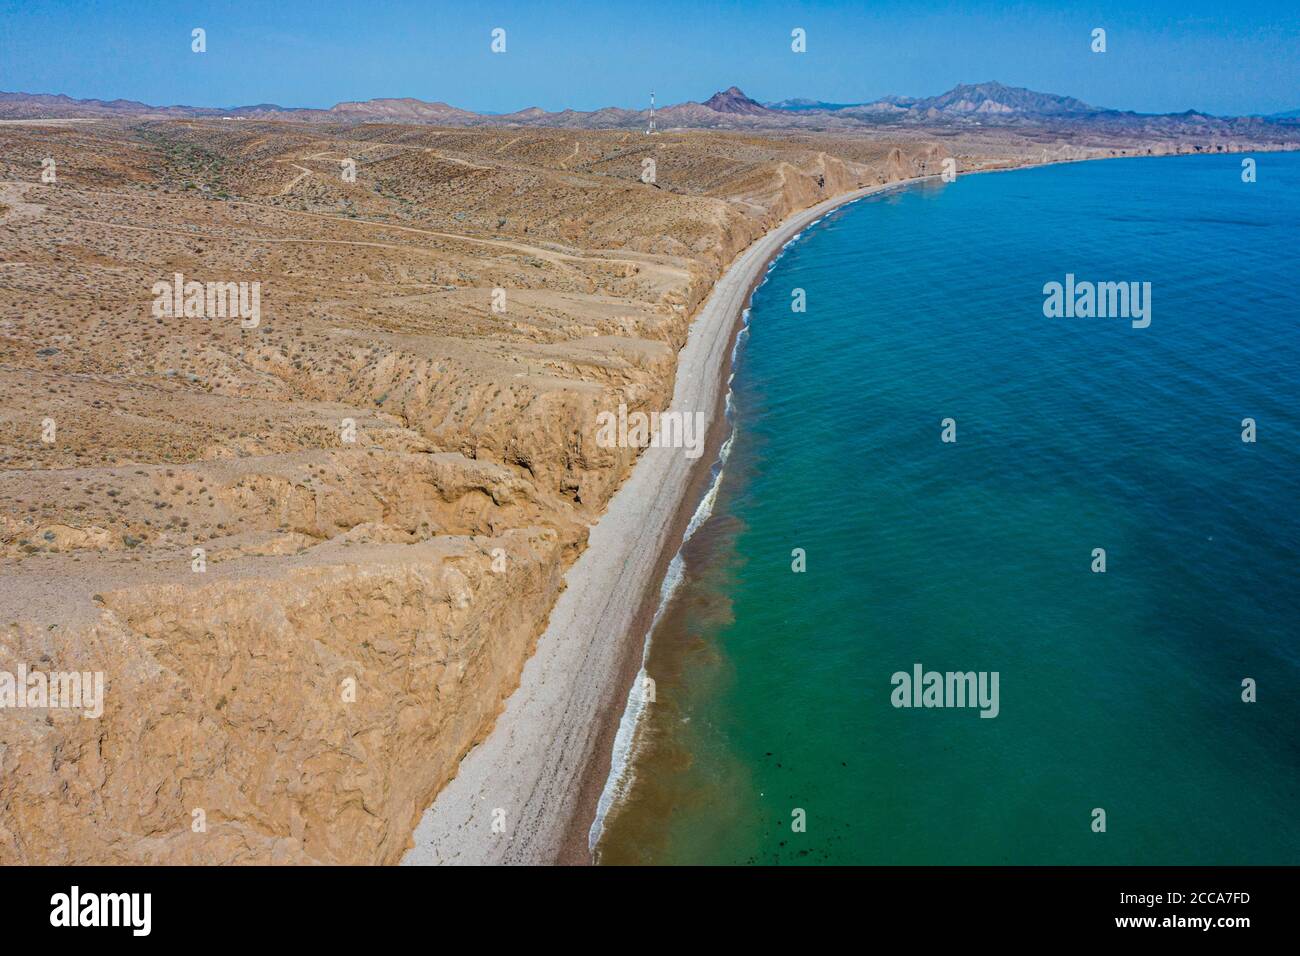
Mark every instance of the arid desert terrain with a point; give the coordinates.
(311, 555)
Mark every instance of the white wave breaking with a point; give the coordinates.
(622, 767)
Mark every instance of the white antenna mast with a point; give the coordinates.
(651, 130)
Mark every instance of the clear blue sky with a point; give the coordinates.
(1164, 55)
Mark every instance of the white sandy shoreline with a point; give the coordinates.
(532, 764)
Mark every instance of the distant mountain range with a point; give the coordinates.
(982, 104)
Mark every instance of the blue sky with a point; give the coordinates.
(1238, 57)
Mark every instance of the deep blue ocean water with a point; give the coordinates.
(1120, 691)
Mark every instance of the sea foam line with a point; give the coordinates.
(622, 774)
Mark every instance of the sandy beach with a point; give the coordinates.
(307, 478)
(539, 773)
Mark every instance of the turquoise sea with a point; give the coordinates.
(1120, 691)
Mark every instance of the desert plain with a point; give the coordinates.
(312, 556)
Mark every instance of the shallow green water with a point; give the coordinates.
(1120, 690)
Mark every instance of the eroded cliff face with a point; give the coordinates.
(299, 713)
(311, 557)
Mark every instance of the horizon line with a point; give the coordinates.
(270, 104)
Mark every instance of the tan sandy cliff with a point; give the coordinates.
(387, 477)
